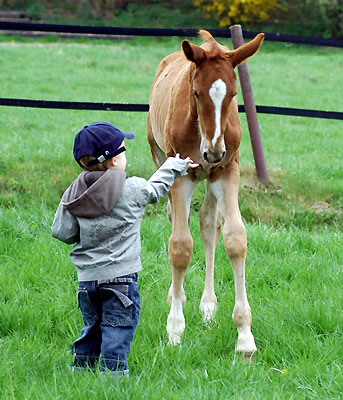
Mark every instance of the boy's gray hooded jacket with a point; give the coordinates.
(102, 213)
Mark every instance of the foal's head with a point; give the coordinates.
(214, 87)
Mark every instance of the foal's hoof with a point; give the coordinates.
(208, 311)
(246, 358)
(175, 328)
(174, 339)
(246, 349)
(246, 343)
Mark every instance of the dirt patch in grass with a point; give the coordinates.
(286, 201)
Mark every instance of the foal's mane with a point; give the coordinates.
(206, 36)
(212, 47)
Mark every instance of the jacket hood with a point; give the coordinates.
(94, 193)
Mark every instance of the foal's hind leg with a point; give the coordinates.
(235, 242)
(210, 225)
(180, 253)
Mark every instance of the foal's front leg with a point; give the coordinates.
(235, 242)
(180, 253)
(210, 225)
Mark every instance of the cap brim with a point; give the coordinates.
(129, 135)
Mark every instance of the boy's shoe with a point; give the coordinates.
(116, 374)
(74, 369)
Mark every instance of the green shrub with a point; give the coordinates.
(228, 12)
(315, 17)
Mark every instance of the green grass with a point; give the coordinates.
(294, 260)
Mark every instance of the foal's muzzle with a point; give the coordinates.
(214, 156)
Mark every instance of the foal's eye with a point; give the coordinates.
(195, 93)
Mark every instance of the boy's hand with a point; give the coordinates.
(190, 162)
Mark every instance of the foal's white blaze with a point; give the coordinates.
(217, 93)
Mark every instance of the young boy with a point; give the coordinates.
(101, 212)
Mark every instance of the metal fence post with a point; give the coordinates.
(250, 108)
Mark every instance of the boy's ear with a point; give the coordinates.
(112, 161)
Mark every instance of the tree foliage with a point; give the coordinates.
(316, 17)
(228, 12)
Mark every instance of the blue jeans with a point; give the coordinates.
(110, 313)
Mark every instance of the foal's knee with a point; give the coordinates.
(180, 251)
(235, 240)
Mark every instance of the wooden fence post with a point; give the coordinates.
(250, 108)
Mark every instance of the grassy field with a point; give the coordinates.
(295, 235)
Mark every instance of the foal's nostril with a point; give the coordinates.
(213, 156)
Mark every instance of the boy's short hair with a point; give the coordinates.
(101, 140)
(86, 163)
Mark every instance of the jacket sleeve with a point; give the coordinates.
(161, 181)
(65, 226)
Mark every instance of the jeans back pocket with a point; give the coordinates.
(116, 304)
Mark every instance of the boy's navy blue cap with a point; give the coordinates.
(101, 140)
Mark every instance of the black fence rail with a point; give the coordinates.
(73, 105)
(118, 31)
(79, 105)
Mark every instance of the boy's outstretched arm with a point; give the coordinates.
(190, 162)
(161, 181)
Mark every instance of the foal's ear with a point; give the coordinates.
(241, 54)
(193, 52)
